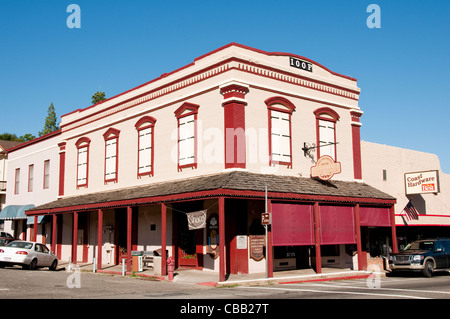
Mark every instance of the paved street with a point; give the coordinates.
(43, 284)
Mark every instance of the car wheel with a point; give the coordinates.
(33, 264)
(54, 265)
(428, 269)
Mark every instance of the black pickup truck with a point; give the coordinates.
(422, 255)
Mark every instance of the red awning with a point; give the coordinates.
(292, 224)
(337, 225)
(374, 216)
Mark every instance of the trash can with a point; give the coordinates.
(136, 260)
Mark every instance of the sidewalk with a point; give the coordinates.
(210, 278)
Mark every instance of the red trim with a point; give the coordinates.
(356, 145)
(163, 238)
(74, 237)
(99, 239)
(335, 117)
(290, 107)
(222, 263)
(129, 237)
(33, 141)
(112, 134)
(317, 237)
(215, 193)
(54, 233)
(62, 172)
(393, 230)
(81, 143)
(145, 123)
(193, 108)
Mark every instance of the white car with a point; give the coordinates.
(29, 255)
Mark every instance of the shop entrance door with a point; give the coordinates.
(189, 243)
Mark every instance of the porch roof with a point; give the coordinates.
(229, 184)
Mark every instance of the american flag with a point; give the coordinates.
(411, 212)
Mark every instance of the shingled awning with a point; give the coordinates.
(230, 184)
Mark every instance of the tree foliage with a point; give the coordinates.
(51, 124)
(13, 137)
(98, 96)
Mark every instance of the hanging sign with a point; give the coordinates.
(196, 220)
(422, 182)
(325, 168)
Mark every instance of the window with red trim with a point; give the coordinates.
(280, 130)
(82, 161)
(187, 135)
(111, 154)
(145, 128)
(326, 119)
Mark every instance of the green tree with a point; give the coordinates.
(9, 137)
(97, 97)
(51, 124)
(27, 137)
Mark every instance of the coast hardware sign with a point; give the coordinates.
(422, 182)
(325, 168)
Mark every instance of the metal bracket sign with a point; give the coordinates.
(266, 218)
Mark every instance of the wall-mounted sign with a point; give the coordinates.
(422, 182)
(257, 243)
(325, 168)
(213, 236)
(300, 64)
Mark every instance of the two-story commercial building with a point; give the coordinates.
(182, 163)
(32, 180)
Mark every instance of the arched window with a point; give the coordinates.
(111, 137)
(145, 128)
(280, 131)
(187, 135)
(326, 119)
(82, 161)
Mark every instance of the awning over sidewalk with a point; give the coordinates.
(11, 212)
(230, 184)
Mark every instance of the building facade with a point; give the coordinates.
(32, 180)
(422, 212)
(199, 146)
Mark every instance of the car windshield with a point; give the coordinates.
(20, 244)
(420, 245)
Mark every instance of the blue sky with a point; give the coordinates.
(403, 68)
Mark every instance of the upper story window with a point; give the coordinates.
(111, 154)
(280, 130)
(187, 135)
(46, 174)
(82, 161)
(30, 177)
(16, 181)
(326, 120)
(145, 127)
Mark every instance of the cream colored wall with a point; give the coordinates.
(398, 161)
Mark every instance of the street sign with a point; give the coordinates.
(266, 218)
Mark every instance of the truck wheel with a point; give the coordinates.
(428, 269)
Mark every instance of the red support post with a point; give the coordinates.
(269, 243)
(394, 231)
(74, 238)
(222, 239)
(99, 239)
(163, 238)
(317, 238)
(35, 228)
(362, 261)
(129, 232)
(54, 236)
